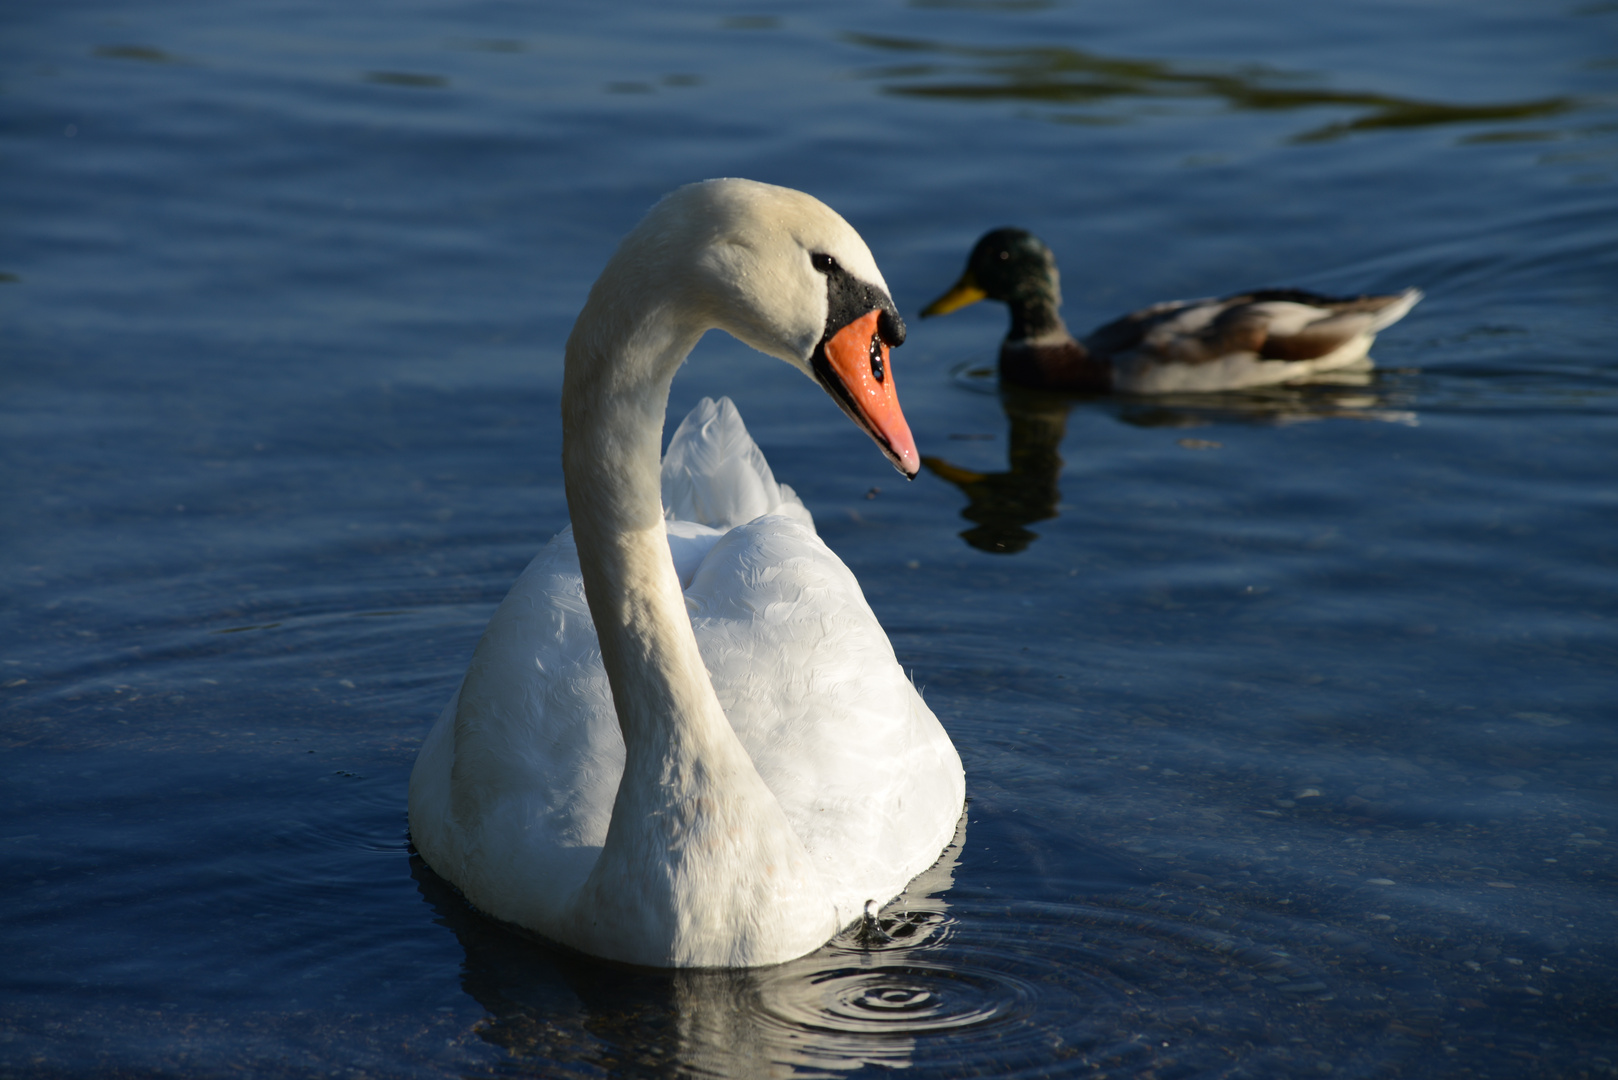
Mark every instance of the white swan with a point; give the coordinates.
(687, 743)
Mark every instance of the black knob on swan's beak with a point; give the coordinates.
(891, 326)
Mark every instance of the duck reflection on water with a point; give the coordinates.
(831, 1011)
(1361, 392)
(1003, 504)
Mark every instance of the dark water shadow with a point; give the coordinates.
(408, 80)
(143, 53)
(1075, 84)
(1003, 504)
(860, 1000)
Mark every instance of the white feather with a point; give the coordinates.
(780, 772)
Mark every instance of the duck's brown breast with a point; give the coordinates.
(1060, 366)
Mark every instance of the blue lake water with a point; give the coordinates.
(1288, 717)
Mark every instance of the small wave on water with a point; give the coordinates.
(1081, 988)
(908, 998)
(843, 1016)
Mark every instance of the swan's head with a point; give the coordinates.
(784, 273)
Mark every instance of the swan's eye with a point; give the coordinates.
(877, 369)
(824, 263)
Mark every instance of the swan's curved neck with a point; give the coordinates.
(614, 395)
(699, 866)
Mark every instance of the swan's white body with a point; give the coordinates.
(687, 742)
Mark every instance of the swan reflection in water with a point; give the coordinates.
(1003, 504)
(859, 1000)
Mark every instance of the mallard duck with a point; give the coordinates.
(1249, 339)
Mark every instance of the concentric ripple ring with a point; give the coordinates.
(896, 999)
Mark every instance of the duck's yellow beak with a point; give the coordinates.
(963, 292)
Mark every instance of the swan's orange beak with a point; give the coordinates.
(853, 367)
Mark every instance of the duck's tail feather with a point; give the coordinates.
(1397, 310)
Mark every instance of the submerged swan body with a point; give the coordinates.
(684, 740)
(1256, 338)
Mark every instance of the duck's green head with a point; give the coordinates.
(1009, 265)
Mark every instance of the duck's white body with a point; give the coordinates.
(737, 765)
(1173, 357)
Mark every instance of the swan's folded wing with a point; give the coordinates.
(520, 774)
(865, 772)
(715, 475)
